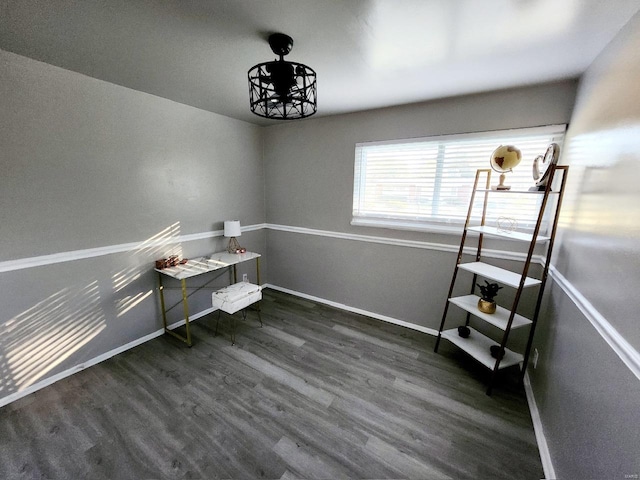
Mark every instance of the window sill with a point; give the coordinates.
(443, 229)
(451, 229)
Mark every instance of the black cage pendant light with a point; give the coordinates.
(279, 89)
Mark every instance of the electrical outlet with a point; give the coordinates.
(245, 277)
(535, 357)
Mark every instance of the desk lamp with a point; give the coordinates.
(231, 231)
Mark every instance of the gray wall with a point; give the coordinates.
(309, 179)
(589, 399)
(89, 167)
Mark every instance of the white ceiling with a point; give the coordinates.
(367, 53)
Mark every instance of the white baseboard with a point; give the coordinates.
(543, 448)
(627, 353)
(100, 358)
(535, 416)
(70, 371)
(541, 440)
(341, 306)
(192, 318)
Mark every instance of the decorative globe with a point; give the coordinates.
(505, 158)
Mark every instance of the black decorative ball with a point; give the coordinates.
(463, 331)
(496, 351)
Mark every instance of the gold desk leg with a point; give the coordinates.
(183, 282)
(164, 311)
(258, 270)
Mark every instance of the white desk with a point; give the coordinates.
(196, 267)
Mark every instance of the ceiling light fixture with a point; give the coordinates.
(279, 89)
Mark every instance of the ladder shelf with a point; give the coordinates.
(478, 345)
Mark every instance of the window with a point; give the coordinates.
(426, 183)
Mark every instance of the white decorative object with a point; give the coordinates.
(231, 231)
(507, 224)
(542, 166)
(232, 228)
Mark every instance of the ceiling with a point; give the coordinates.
(367, 53)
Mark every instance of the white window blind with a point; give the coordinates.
(426, 183)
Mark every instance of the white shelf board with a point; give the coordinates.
(499, 274)
(516, 192)
(498, 319)
(494, 231)
(478, 346)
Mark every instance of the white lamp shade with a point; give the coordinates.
(232, 228)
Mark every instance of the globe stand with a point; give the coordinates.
(501, 185)
(503, 160)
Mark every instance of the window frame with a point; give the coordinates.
(396, 221)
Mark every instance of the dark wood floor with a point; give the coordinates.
(316, 393)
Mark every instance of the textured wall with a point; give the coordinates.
(89, 166)
(309, 180)
(588, 397)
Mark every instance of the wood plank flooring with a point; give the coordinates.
(315, 393)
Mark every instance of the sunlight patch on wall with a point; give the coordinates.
(36, 341)
(125, 277)
(123, 305)
(602, 194)
(603, 148)
(163, 244)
